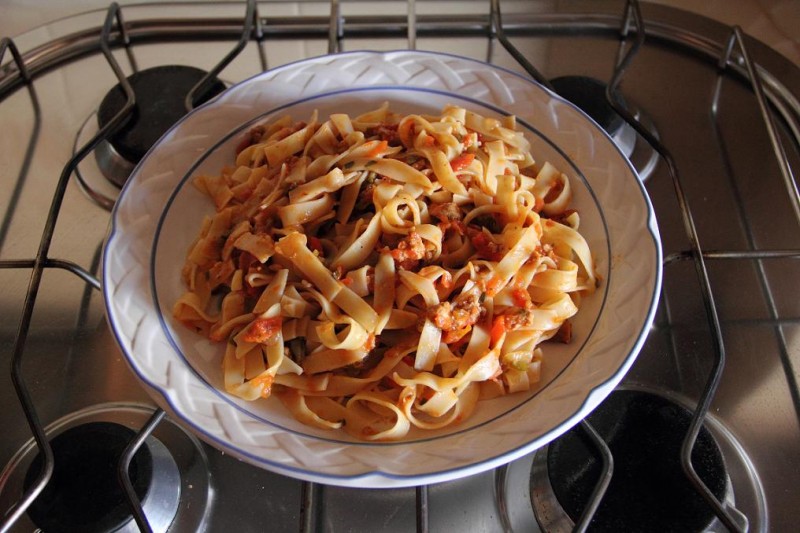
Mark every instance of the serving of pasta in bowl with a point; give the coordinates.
(416, 273)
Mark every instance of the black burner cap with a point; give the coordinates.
(160, 93)
(83, 494)
(648, 489)
(589, 94)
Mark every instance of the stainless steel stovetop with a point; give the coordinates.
(727, 336)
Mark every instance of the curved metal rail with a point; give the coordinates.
(23, 69)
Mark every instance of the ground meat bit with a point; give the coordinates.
(463, 313)
(409, 251)
(446, 212)
(485, 246)
(364, 201)
(419, 163)
(256, 133)
(288, 130)
(488, 221)
(263, 221)
(544, 250)
(385, 132)
(221, 272)
(253, 137)
(518, 319)
(441, 315)
(523, 318)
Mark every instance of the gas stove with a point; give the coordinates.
(702, 435)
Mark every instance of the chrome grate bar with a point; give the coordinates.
(422, 509)
(309, 507)
(602, 483)
(23, 74)
(727, 254)
(335, 28)
(125, 463)
(755, 80)
(62, 264)
(412, 25)
(498, 30)
(736, 38)
(36, 277)
(633, 18)
(197, 91)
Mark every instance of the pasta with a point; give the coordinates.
(385, 272)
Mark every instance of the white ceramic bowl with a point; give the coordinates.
(159, 212)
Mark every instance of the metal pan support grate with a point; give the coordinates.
(732, 57)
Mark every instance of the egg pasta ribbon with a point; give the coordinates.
(382, 274)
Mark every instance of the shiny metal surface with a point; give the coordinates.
(741, 203)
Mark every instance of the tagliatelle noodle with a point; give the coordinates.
(381, 273)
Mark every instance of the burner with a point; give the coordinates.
(83, 493)
(644, 494)
(589, 94)
(160, 93)
(169, 474)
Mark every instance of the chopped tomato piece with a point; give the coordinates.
(462, 161)
(453, 336)
(370, 344)
(521, 297)
(456, 345)
(264, 382)
(485, 246)
(262, 329)
(378, 149)
(492, 285)
(498, 329)
(314, 244)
